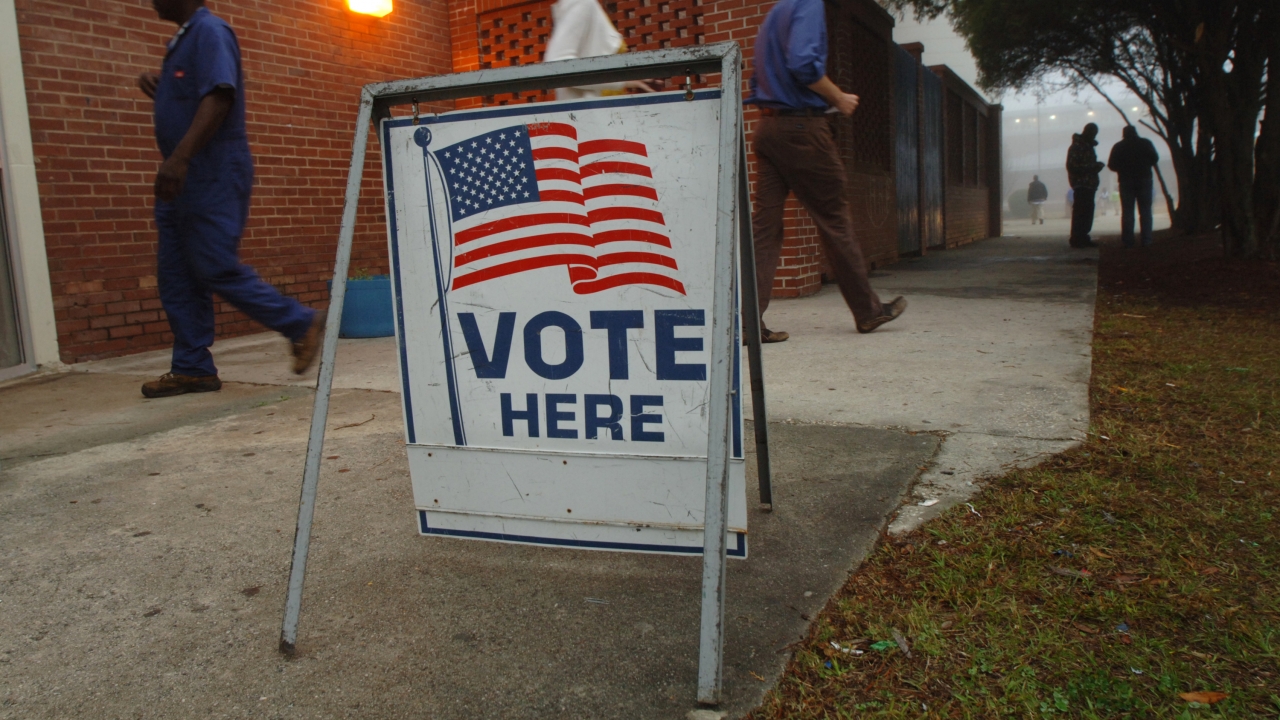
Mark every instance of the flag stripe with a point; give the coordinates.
(604, 166)
(591, 147)
(553, 128)
(524, 243)
(600, 191)
(519, 266)
(624, 213)
(562, 196)
(635, 257)
(631, 235)
(555, 153)
(637, 278)
(557, 174)
(514, 223)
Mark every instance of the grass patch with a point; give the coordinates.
(1115, 578)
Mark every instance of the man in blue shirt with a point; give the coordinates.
(795, 152)
(202, 202)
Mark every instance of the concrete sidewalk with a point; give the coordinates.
(145, 542)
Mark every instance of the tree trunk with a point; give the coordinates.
(1192, 156)
(1232, 45)
(1266, 181)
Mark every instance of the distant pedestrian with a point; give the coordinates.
(795, 152)
(202, 202)
(1132, 159)
(1037, 193)
(579, 29)
(1082, 170)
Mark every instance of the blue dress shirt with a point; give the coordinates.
(790, 55)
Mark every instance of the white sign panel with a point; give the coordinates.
(553, 272)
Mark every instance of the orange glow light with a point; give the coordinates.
(376, 8)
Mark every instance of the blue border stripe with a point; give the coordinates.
(534, 108)
(740, 550)
(395, 275)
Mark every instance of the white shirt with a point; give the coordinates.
(580, 29)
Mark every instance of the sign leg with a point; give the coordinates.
(719, 420)
(324, 386)
(751, 333)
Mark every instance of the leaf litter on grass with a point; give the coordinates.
(1163, 600)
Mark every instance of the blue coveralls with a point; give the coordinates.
(200, 230)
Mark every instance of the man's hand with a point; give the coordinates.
(147, 83)
(171, 177)
(641, 85)
(212, 111)
(844, 103)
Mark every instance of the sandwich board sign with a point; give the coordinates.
(566, 280)
(553, 270)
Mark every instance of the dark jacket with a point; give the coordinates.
(1036, 191)
(1082, 163)
(1132, 159)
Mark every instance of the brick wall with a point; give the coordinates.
(304, 63)
(966, 214)
(971, 157)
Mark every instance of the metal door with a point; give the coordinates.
(931, 162)
(907, 149)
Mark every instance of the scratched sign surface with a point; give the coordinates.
(553, 270)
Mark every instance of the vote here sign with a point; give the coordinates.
(553, 273)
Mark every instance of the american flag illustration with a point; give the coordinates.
(533, 196)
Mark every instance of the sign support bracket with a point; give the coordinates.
(751, 332)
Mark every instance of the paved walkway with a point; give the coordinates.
(144, 544)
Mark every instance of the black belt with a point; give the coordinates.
(792, 112)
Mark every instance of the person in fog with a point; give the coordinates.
(1037, 193)
(1082, 170)
(1132, 160)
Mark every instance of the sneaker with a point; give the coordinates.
(771, 336)
(891, 312)
(170, 384)
(307, 347)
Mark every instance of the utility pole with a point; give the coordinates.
(1039, 157)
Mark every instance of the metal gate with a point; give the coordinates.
(907, 149)
(931, 162)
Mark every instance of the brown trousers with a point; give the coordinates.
(798, 154)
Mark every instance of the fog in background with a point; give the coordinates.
(1037, 130)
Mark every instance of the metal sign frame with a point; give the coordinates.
(733, 216)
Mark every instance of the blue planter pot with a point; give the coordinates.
(367, 311)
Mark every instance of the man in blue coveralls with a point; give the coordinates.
(202, 202)
(795, 152)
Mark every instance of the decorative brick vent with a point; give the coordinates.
(515, 35)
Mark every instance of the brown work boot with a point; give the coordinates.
(771, 336)
(307, 347)
(891, 312)
(170, 384)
